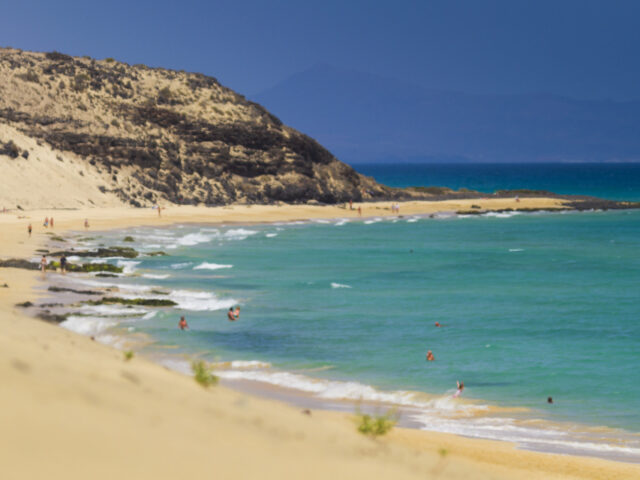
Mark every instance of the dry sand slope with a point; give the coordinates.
(74, 409)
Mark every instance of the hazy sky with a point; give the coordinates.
(579, 48)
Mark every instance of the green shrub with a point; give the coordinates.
(109, 60)
(375, 425)
(128, 239)
(202, 373)
(128, 355)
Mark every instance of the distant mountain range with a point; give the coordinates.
(361, 117)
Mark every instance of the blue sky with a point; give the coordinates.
(583, 49)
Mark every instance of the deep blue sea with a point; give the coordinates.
(618, 181)
(530, 306)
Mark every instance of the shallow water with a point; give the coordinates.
(531, 306)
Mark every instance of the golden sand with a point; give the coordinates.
(74, 409)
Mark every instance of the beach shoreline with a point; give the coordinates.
(402, 448)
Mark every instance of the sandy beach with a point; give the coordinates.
(73, 408)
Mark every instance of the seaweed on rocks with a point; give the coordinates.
(143, 302)
(53, 288)
(126, 252)
(87, 267)
(24, 304)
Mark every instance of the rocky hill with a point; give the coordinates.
(106, 132)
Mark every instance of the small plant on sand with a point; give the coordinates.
(202, 373)
(375, 425)
(128, 355)
(128, 239)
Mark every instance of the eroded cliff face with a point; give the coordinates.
(156, 135)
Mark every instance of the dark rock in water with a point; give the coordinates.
(51, 317)
(146, 302)
(156, 254)
(106, 275)
(6, 285)
(49, 305)
(128, 239)
(81, 292)
(19, 263)
(24, 304)
(126, 252)
(87, 267)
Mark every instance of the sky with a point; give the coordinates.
(586, 49)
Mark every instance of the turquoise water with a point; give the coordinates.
(532, 305)
(620, 181)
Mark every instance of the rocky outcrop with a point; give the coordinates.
(156, 135)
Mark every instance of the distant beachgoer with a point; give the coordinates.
(359, 211)
(51, 222)
(183, 324)
(459, 390)
(517, 198)
(397, 205)
(236, 313)
(46, 222)
(430, 357)
(29, 229)
(230, 315)
(63, 264)
(43, 264)
(437, 324)
(86, 223)
(549, 400)
(159, 210)
(350, 204)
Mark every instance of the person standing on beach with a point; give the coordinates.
(86, 223)
(29, 229)
(183, 324)
(46, 222)
(43, 264)
(63, 264)
(359, 211)
(51, 221)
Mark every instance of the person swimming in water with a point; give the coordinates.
(430, 357)
(459, 390)
(231, 315)
(183, 324)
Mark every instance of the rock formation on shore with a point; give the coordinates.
(138, 135)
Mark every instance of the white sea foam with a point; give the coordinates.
(128, 266)
(501, 214)
(200, 301)
(341, 222)
(249, 364)
(192, 239)
(373, 220)
(87, 325)
(156, 276)
(413, 220)
(238, 233)
(113, 310)
(271, 235)
(516, 249)
(211, 266)
(320, 220)
(105, 259)
(179, 266)
(339, 285)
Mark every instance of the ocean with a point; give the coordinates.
(531, 306)
(614, 181)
